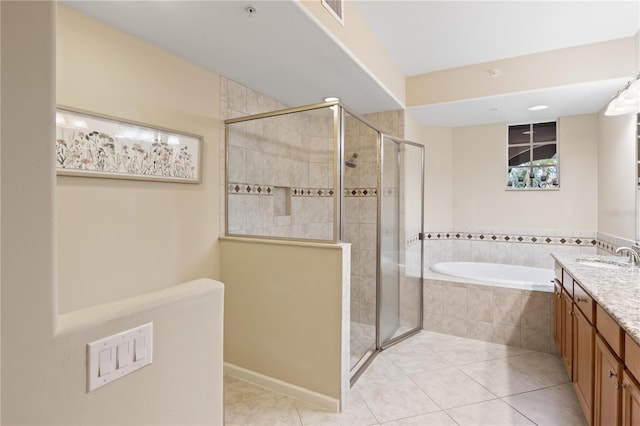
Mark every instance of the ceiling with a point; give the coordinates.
(284, 53)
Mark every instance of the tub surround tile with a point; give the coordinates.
(507, 309)
(537, 340)
(506, 335)
(479, 330)
(617, 290)
(454, 326)
(433, 322)
(454, 301)
(479, 305)
(536, 312)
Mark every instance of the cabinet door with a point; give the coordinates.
(583, 350)
(566, 351)
(607, 396)
(557, 316)
(630, 401)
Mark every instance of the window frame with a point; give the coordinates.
(531, 146)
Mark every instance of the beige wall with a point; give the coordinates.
(122, 238)
(43, 354)
(479, 180)
(572, 65)
(617, 175)
(285, 309)
(438, 193)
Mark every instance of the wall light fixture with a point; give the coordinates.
(626, 100)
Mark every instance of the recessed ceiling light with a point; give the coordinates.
(538, 107)
(331, 99)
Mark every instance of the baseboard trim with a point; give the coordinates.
(288, 389)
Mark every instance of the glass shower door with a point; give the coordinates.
(400, 247)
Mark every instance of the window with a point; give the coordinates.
(532, 156)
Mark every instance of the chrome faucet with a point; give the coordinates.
(631, 253)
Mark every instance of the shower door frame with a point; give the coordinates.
(380, 344)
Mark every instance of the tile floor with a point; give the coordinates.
(430, 379)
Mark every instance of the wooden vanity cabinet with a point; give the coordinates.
(608, 385)
(566, 344)
(584, 334)
(557, 314)
(630, 387)
(630, 401)
(601, 359)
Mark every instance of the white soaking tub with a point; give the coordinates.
(497, 274)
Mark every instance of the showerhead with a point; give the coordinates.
(351, 162)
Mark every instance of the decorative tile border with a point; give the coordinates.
(413, 239)
(360, 192)
(608, 247)
(248, 188)
(256, 189)
(609, 243)
(312, 192)
(512, 238)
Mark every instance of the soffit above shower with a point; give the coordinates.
(279, 51)
(282, 51)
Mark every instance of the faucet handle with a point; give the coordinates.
(634, 259)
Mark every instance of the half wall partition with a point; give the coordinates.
(322, 173)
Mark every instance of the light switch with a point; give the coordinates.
(140, 348)
(124, 355)
(113, 357)
(104, 362)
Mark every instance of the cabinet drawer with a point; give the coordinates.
(567, 283)
(609, 330)
(632, 356)
(584, 302)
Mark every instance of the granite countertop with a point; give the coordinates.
(616, 290)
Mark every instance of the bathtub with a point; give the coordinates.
(496, 274)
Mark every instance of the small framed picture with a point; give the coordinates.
(98, 146)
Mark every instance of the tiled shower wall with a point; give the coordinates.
(280, 169)
(360, 227)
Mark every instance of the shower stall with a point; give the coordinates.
(322, 173)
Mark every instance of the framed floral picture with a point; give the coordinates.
(98, 146)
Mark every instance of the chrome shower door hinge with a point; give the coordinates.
(422, 236)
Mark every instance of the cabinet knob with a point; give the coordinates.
(579, 300)
(611, 373)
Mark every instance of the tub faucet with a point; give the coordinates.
(631, 253)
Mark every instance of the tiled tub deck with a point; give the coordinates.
(491, 313)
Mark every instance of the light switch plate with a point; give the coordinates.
(124, 353)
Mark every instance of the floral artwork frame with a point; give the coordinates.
(93, 145)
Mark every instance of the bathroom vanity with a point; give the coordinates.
(596, 328)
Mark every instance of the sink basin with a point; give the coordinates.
(602, 264)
